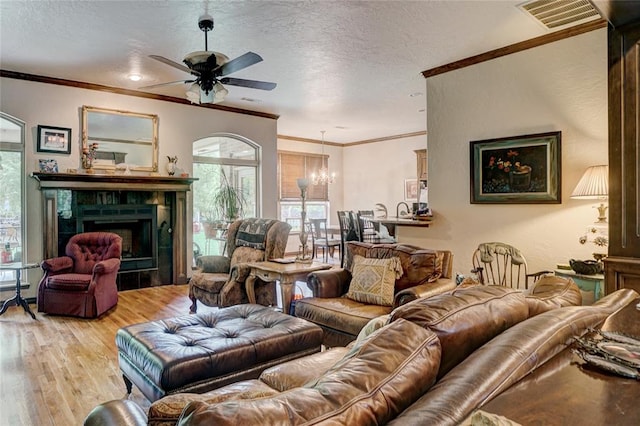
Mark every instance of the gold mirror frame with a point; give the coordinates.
(126, 133)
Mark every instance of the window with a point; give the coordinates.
(218, 159)
(294, 165)
(12, 196)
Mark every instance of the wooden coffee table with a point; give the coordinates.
(286, 273)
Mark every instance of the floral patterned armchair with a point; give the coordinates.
(219, 280)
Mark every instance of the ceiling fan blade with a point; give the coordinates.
(239, 63)
(153, 86)
(251, 84)
(174, 64)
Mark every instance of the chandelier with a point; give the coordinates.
(323, 177)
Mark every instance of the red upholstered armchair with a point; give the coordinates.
(82, 283)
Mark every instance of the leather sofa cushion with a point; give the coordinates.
(419, 265)
(298, 372)
(466, 318)
(340, 313)
(551, 292)
(372, 384)
(166, 411)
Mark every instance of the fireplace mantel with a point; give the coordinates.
(84, 181)
(51, 183)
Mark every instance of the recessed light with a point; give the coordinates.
(135, 77)
(415, 94)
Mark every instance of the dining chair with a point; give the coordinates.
(320, 239)
(347, 232)
(497, 263)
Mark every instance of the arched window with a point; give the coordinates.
(12, 175)
(227, 167)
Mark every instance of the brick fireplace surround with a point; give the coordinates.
(149, 212)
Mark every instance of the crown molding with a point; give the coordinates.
(518, 47)
(127, 92)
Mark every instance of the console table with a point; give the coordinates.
(17, 300)
(286, 273)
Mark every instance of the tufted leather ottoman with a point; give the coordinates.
(200, 352)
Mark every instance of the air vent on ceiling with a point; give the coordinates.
(556, 14)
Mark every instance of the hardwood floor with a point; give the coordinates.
(54, 370)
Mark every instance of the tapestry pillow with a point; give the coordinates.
(253, 233)
(373, 280)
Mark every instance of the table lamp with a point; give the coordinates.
(594, 186)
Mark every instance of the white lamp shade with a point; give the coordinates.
(594, 184)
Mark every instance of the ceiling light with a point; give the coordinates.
(323, 177)
(193, 94)
(135, 77)
(219, 93)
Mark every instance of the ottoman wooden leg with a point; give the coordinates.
(128, 384)
(194, 305)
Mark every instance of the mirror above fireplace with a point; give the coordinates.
(123, 137)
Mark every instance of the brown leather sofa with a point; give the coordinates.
(435, 361)
(425, 273)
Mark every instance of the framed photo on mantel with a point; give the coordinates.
(516, 170)
(54, 139)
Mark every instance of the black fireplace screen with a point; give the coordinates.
(134, 223)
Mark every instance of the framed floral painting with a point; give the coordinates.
(516, 170)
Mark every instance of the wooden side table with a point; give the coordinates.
(17, 300)
(286, 273)
(591, 283)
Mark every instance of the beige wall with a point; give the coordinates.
(375, 172)
(560, 86)
(179, 125)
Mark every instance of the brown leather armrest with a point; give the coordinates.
(329, 283)
(441, 285)
(121, 412)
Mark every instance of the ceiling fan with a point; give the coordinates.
(210, 70)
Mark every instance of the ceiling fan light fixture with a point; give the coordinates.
(219, 92)
(193, 94)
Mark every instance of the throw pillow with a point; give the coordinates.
(373, 280)
(253, 233)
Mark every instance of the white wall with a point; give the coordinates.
(179, 125)
(375, 172)
(559, 86)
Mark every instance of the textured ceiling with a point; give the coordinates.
(347, 67)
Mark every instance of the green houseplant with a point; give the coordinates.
(228, 200)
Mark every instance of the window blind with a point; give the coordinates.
(294, 165)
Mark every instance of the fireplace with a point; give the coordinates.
(148, 212)
(134, 223)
